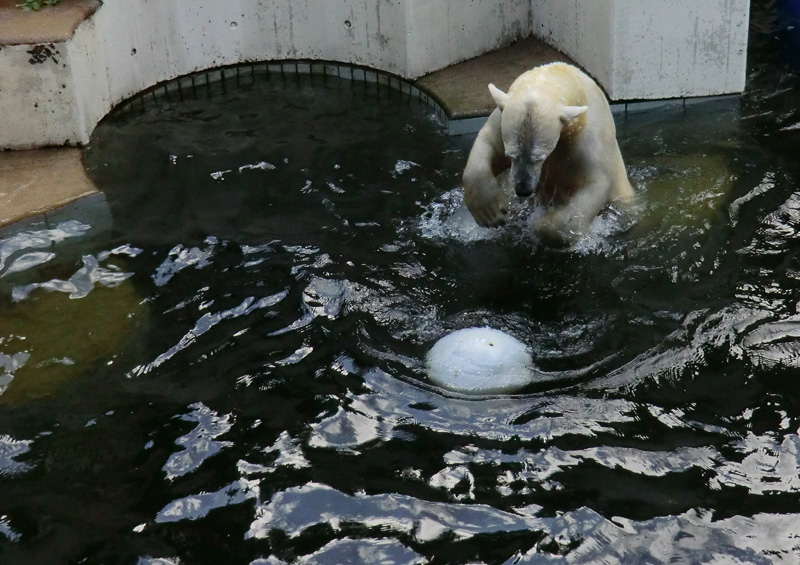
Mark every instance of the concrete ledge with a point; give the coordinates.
(47, 184)
(55, 25)
(37, 181)
(462, 90)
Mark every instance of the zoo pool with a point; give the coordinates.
(232, 370)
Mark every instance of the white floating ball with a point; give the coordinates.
(479, 361)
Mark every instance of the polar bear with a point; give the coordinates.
(555, 132)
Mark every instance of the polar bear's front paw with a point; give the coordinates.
(492, 215)
(560, 228)
(488, 208)
(492, 218)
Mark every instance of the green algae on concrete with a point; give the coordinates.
(50, 339)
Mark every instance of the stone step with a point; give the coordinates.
(37, 181)
(462, 89)
(53, 24)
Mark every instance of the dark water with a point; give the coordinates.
(229, 369)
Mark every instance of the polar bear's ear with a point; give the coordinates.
(500, 97)
(569, 113)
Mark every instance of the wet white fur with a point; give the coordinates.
(554, 126)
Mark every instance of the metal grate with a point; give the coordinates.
(209, 82)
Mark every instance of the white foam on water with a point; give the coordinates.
(448, 219)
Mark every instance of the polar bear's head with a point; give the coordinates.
(531, 127)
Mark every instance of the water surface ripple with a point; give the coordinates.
(233, 370)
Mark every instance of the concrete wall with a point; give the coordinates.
(671, 48)
(37, 96)
(441, 32)
(637, 49)
(581, 29)
(129, 45)
(648, 49)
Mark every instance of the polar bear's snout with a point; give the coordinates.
(523, 190)
(523, 186)
(525, 178)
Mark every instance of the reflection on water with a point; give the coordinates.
(234, 372)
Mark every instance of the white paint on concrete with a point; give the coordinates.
(648, 49)
(636, 49)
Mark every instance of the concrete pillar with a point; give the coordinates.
(648, 49)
